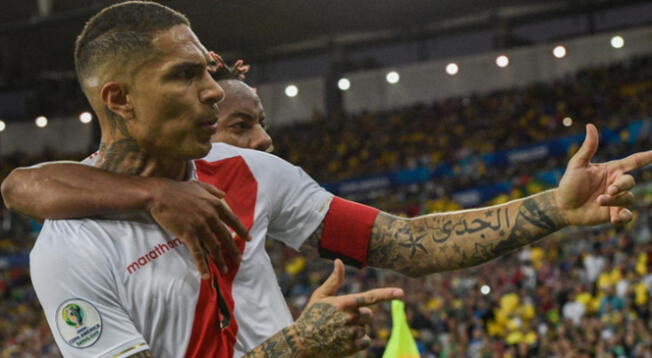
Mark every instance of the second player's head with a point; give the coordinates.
(242, 116)
(146, 75)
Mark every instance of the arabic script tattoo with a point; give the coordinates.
(449, 241)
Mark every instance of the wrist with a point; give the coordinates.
(151, 192)
(294, 341)
(559, 213)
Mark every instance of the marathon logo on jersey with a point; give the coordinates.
(79, 323)
(158, 251)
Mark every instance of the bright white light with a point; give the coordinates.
(2, 126)
(617, 42)
(41, 121)
(502, 61)
(452, 68)
(485, 289)
(392, 77)
(568, 121)
(85, 117)
(344, 84)
(291, 91)
(559, 51)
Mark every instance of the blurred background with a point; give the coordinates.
(415, 107)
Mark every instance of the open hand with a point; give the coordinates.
(594, 193)
(335, 326)
(195, 213)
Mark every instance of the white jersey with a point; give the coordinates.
(111, 288)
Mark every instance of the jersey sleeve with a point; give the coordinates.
(75, 285)
(296, 203)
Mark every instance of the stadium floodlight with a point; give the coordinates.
(485, 290)
(392, 77)
(41, 121)
(291, 91)
(344, 84)
(2, 125)
(617, 42)
(85, 117)
(567, 121)
(502, 61)
(559, 51)
(452, 68)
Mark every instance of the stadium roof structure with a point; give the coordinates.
(268, 29)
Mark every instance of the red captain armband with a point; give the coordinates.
(346, 232)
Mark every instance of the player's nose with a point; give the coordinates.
(211, 92)
(261, 139)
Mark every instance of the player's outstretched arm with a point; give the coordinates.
(61, 190)
(192, 211)
(588, 194)
(330, 326)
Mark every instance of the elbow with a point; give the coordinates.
(8, 189)
(11, 187)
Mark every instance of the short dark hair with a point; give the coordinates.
(118, 31)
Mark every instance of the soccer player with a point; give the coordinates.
(588, 194)
(121, 286)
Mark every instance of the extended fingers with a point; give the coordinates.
(587, 150)
(210, 241)
(622, 183)
(623, 199)
(635, 161)
(332, 283)
(224, 236)
(370, 297)
(232, 220)
(620, 216)
(199, 256)
(211, 189)
(362, 317)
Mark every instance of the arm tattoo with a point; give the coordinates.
(442, 242)
(321, 331)
(281, 345)
(143, 354)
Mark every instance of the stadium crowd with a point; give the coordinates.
(457, 128)
(581, 294)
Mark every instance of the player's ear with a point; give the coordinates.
(114, 96)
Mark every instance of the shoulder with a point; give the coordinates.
(222, 151)
(62, 238)
(260, 163)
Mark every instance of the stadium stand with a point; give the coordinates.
(582, 294)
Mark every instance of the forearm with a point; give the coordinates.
(284, 344)
(68, 190)
(449, 241)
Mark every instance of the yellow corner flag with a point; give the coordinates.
(401, 343)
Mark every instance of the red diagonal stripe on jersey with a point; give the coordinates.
(233, 177)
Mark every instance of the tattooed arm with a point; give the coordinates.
(331, 326)
(588, 194)
(448, 241)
